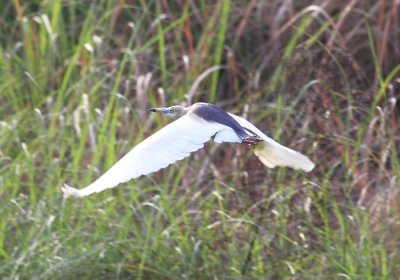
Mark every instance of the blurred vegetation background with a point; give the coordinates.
(322, 77)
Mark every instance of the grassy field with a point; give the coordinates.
(322, 77)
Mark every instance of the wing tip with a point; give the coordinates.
(69, 191)
(308, 166)
(277, 155)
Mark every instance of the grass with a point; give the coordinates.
(76, 79)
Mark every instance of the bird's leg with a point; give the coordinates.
(252, 140)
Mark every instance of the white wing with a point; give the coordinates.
(170, 144)
(272, 154)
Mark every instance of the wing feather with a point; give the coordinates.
(272, 154)
(170, 144)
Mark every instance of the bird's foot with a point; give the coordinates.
(252, 140)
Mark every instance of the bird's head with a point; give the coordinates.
(172, 112)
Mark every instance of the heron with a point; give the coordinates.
(192, 128)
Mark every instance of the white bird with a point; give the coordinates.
(194, 126)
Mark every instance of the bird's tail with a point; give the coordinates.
(274, 154)
(70, 191)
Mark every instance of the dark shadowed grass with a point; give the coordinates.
(77, 77)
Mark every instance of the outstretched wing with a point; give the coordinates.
(272, 154)
(170, 144)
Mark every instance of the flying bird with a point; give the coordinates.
(194, 125)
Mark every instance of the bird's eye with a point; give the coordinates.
(171, 110)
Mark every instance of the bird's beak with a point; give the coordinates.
(161, 110)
